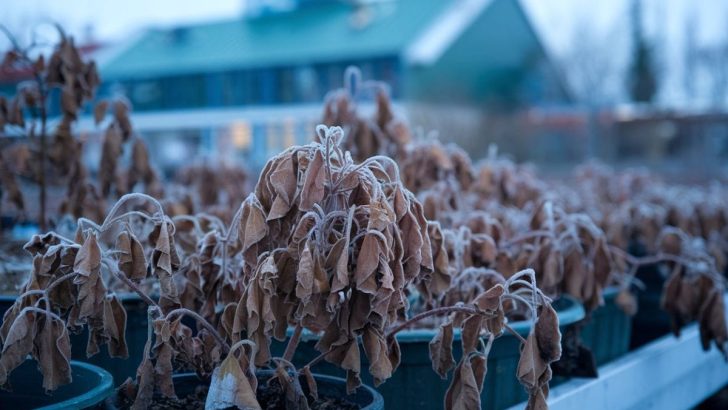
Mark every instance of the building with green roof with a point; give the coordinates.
(471, 51)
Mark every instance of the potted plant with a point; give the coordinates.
(323, 244)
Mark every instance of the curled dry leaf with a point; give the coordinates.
(115, 327)
(230, 387)
(467, 383)
(542, 347)
(441, 350)
(17, 344)
(111, 150)
(132, 261)
(627, 301)
(145, 384)
(163, 257)
(164, 354)
(310, 382)
(52, 349)
(91, 288)
(100, 111)
(548, 335)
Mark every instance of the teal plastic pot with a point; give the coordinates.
(136, 338)
(650, 322)
(607, 333)
(328, 387)
(414, 385)
(91, 385)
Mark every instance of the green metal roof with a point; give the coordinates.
(312, 33)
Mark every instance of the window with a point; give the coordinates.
(286, 85)
(307, 84)
(183, 91)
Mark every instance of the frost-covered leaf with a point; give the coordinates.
(441, 350)
(229, 387)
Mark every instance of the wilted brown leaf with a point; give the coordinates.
(132, 261)
(467, 383)
(115, 327)
(441, 350)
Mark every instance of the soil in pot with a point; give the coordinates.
(192, 393)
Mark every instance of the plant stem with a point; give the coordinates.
(434, 312)
(514, 333)
(224, 243)
(56, 282)
(39, 310)
(128, 282)
(527, 236)
(202, 321)
(293, 343)
(320, 357)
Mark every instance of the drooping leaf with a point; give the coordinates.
(464, 390)
(229, 387)
(18, 344)
(115, 327)
(441, 350)
(132, 261)
(52, 349)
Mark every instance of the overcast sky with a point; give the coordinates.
(557, 21)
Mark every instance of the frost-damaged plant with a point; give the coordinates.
(71, 286)
(27, 114)
(383, 134)
(323, 244)
(332, 247)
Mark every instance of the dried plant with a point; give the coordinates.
(27, 113)
(212, 188)
(384, 134)
(323, 244)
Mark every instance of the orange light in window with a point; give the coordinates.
(241, 135)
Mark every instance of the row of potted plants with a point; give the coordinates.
(366, 248)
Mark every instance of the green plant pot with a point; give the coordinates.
(91, 385)
(136, 337)
(328, 386)
(414, 385)
(607, 333)
(650, 322)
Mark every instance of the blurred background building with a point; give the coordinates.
(630, 82)
(264, 69)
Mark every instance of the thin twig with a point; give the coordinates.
(293, 343)
(434, 312)
(514, 333)
(321, 357)
(128, 282)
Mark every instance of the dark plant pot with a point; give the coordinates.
(136, 337)
(91, 385)
(607, 333)
(414, 385)
(650, 322)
